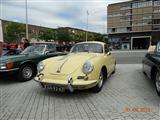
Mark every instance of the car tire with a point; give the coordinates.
(99, 85)
(157, 82)
(26, 72)
(143, 69)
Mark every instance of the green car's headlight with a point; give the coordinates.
(3, 66)
(40, 67)
(87, 67)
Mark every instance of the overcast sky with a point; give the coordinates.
(59, 13)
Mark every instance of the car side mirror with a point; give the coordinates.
(46, 52)
(108, 53)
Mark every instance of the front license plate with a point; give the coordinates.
(55, 88)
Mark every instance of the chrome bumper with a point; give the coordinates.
(9, 70)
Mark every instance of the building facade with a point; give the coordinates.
(134, 24)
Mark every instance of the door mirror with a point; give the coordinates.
(46, 52)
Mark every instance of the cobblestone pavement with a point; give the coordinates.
(127, 95)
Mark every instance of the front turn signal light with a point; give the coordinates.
(9, 65)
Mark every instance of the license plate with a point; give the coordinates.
(55, 88)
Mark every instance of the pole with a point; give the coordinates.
(26, 19)
(87, 27)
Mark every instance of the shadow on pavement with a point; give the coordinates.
(8, 80)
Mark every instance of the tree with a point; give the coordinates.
(64, 36)
(98, 37)
(14, 32)
(47, 34)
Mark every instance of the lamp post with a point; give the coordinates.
(87, 26)
(26, 19)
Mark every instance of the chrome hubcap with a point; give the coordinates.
(27, 72)
(100, 83)
(158, 82)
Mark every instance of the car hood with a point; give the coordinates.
(14, 58)
(68, 64)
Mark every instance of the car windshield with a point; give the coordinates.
(87, 47)
(34, 50)
(4, 52)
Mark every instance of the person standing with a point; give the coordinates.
(1, 48)
(26, 43)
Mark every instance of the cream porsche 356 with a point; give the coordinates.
(86, 66)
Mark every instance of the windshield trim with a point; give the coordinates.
(102, 47)
(32, 52)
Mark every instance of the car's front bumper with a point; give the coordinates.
(67, 84)
(7, 72)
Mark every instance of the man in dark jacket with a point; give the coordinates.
(26, 43)
(1, 48)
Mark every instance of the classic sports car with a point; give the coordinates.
(24, 66)
(86, 66)
(151, 66)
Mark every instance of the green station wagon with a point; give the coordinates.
(24, 66)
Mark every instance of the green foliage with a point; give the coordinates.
(64, 36)
(13, 32)
(47, 34)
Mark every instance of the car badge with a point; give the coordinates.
(58, 71)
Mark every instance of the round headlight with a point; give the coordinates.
(40, 67)
(87, 67)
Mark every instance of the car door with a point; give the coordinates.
(109, 59)
(147, 64)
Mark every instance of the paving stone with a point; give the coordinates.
(123, 94)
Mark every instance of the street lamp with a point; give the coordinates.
(92, 13)
(26, 19)
(87, 26)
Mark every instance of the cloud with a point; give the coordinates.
(59, 13)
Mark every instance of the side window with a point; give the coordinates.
(51, 48)
(11, 53)
(106, 48)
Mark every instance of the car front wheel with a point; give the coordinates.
(99, 85)
(157, 83)
(26, 73)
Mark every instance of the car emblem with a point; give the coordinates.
(58, 71)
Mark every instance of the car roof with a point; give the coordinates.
(98, 42)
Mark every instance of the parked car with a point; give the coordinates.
(151, 65)
(24, 66)
(86, 66)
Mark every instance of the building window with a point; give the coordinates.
(157, 15)
(156, 27)
(142, 4)
(126, 7)
(156, 9)
(157, 3)
(156, 21)
(147, 22)
(113, 30)
(147, 16)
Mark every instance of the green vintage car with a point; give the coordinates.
(24, 66)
